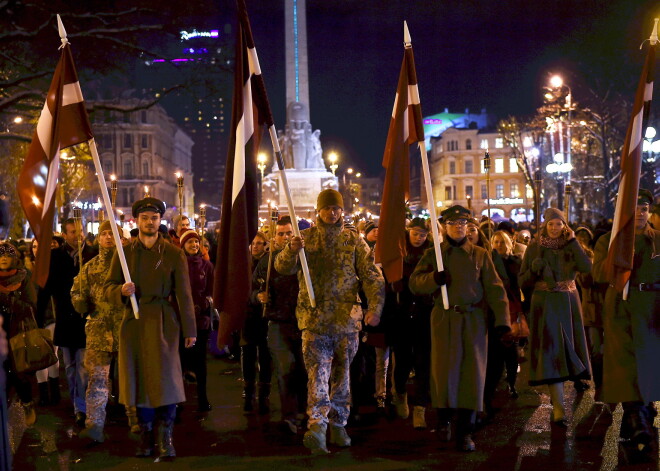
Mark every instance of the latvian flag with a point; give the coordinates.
(619, 261)
(63, 123)
(233, 269)
(406, 128)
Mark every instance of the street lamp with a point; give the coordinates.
(262, 159)
(557, 82)
(332, 158)
(650, 162)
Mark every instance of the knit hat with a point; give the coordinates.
(329, 197)
(585, 229)
(554, 213)
(186, 236)
(369, 227)
(105, 226)
(8, 250)
(303, 224)
(418, 223)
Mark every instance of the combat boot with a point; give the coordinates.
(165, 445)
(94, 433)
(338, 436)
(146, 447)
(419, 417)
(401, 402)
(314, 439)
(248, 401)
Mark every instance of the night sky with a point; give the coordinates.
(469, 54)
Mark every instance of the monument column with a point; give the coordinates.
(297, 83)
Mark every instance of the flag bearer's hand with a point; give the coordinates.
(127, 289)
(296, 244)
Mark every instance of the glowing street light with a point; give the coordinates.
(332, 158)
(262, 159)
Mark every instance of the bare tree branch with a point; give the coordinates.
(10, 136)
(25, 78)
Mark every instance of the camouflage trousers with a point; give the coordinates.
(328, 362)
(97, 364)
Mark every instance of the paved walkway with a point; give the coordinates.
(519, 438)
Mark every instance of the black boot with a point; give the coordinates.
(465, 430)
(249, 392)
(165, 445)
(54, 386)
(44, 400)
(146, 447)
(264, 398)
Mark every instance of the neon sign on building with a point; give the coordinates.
(185, 35)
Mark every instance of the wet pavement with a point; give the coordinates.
(518, 438)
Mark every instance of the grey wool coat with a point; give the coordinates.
(459, 340)
(557, 341)
(149, 366)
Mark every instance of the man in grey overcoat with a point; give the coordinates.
(150, 375)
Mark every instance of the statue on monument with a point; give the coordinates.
(301, 148)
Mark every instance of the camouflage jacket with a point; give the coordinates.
(340, 263)
(103, 318)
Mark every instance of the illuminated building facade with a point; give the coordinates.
(458, 174)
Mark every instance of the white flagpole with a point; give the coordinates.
(104, 193)
(292, 212)
(407, 42)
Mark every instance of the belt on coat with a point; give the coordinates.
(463, 308)
(646, 286)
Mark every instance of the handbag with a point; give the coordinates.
(31, 349)
(520, 327)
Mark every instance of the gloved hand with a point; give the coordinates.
(538, 264)
(442, 277)
(397, 286)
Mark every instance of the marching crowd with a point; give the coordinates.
(542, 295)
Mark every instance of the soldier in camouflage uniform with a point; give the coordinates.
(339, 262)
(101, 329)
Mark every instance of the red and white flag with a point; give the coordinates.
(618, 264)
(406, 128)
(63, 123)
(233, 269)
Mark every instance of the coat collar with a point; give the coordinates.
(467, 247)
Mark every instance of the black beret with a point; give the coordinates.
(148, 204)
(455, 212)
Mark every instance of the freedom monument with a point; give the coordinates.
(301, 146)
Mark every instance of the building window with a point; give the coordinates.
(128, 141)
(128, 169)
(499, 143)
(484, 191)
(145, 168)
(513, 165)
(529, 192)
(481, 163)
(515, 193)
(452, 167)
(143, 116)
(106, 141)
(107, 166)
(484, 144)
(499, 191)
(447, 192)
(468, 144)
(469, 166)
(144, 141)
(469, 191)
(126, 117)
(499, 165)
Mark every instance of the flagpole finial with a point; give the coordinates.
(654, 34)
(62, 31)
(407, 42)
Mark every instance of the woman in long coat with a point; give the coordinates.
(558, 344)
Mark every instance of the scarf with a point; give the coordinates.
(554, 244)
(11, 280)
